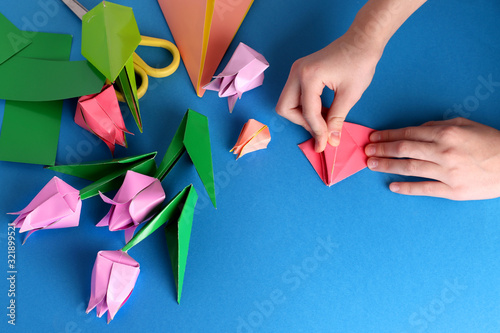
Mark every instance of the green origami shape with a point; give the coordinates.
(108, 175)
(109, 37)
(11, 39)
(177, 234)
(192, 136)
(127, 85)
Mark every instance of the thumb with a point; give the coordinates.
(336, 115)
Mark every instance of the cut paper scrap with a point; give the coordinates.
(134, 201)
(243, 72)
(100, 114)
(205, 39)
(192, 136)
(12, 40)
(38, 80)
(109, 38)
(178, 231)
(57, 205)
(113, 279)
(108, 175)
(30, 130)
(253, 136)
(337, 163)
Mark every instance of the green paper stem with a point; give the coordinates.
(170, 210)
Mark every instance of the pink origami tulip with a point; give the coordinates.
(101, 115)
(243, 72)
(253, 136)
(136, 198)
(57, 205)
(113, 279)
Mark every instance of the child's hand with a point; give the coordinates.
(461, 155)
(342, 67)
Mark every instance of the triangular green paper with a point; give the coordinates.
(127, 85)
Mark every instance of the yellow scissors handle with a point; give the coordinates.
(143, 69)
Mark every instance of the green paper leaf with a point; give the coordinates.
(167, 213)
(192, 136)
(109, 37)
(30, 130)
(127, 85)
(12, 40)
(108, 175)
(178, 236)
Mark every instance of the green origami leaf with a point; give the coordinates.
(11, 39)
(192, 136)
(109, 37)
(178, 236)
(108, 175)
(127, 85)
(170, 211)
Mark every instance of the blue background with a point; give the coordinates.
(399, 264)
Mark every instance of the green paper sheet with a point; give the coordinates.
(178, 236)
(12, 39)
(192, 136)
(35, 80)
(30, 131)
(108, 175)
(109, 37)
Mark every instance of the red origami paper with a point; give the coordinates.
(101, 115)
(253, 136)
(337, 163)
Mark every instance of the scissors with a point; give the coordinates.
(140, 66)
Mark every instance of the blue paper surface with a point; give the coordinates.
(282, 252)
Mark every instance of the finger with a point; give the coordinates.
(418, 133)
(295, 116)
(311, 108)
(427, 188)
(406, 167)
(336, 115)
(459, 121)
(288, 105)
(410, 149)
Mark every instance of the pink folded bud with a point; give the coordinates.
(57, 205)
(113, 279)
(101, 115)
(136, 198)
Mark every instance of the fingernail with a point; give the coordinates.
(334, 138)
(372, 163)
(370, 150)
(375, 137)
(394, 187)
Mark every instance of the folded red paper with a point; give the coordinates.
(337, 163)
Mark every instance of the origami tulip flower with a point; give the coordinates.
(113, 279)
(57, 205)
(101, 115)
(243, 72)
(136, 198)
(253, 136)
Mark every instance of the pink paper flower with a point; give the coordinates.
(100, 114)
(136, 198)
(113, 279)
(57, 205)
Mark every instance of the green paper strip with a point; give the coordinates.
(192, 136)
(108, 175)
(96, 170)
(27, 79)
(169, 211)
(12, 39)
(127, 85)
(178, 236)
(30, 131)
